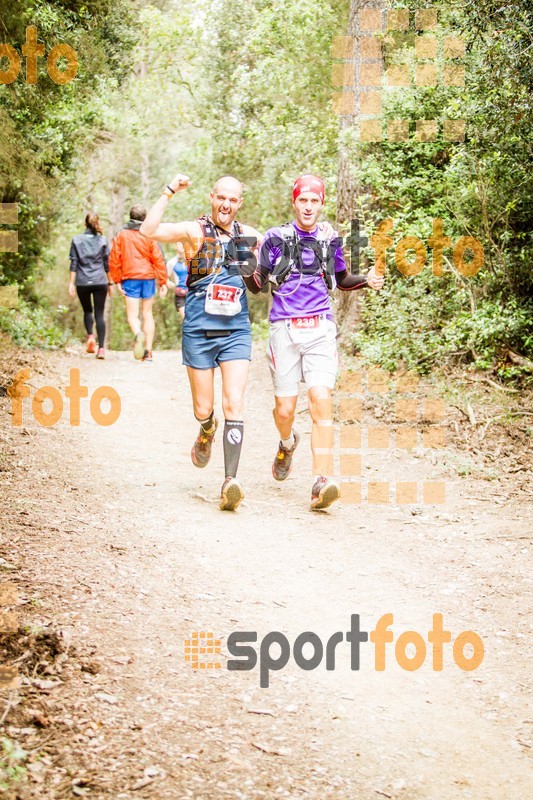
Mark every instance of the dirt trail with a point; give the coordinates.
(129, 553)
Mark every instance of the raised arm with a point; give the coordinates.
(152, 226)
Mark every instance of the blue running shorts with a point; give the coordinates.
(202, 352)
(140, 289)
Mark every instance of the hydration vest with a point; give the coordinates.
(214, 254)
(291, 258)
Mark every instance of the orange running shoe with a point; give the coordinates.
(201, 449)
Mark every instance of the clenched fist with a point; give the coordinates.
(179, 182)
(374, 280)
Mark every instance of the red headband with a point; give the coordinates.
(308, 183)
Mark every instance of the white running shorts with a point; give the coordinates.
(295, 355)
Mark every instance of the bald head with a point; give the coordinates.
(226, 199)
(228, 184)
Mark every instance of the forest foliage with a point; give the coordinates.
(244, 87)
(480, 188)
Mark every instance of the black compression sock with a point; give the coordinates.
(233, 433)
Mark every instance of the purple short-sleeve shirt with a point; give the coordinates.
(300, 295)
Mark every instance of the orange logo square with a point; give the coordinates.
(199, 647)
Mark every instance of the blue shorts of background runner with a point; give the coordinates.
(143, 289)
(201, 352)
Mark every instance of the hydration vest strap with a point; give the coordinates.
(214, 250)
(291, 259)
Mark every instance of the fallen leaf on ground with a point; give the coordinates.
(141, 784)
(260, 711)
(106, 698)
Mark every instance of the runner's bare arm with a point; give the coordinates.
(250, 270)
(253, 274)
(252, 232)
(152, 226)
(166, 231)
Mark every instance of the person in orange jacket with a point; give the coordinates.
(134, 264)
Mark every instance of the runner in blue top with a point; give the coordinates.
(178, 272)
(302, 266)
(216, 329)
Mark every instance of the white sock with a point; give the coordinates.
(288, 443)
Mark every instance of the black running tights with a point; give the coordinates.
(97, 295)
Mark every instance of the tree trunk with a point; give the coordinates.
(145, 175)
(348, 188)
(117, 210)
(141, 71)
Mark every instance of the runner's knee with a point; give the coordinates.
(285, 408)
(320, 402)
(233, 404)
(202, 410)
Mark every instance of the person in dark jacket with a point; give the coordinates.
(89, 266)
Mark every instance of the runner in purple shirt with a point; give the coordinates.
(302, 346)
(301, 293)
